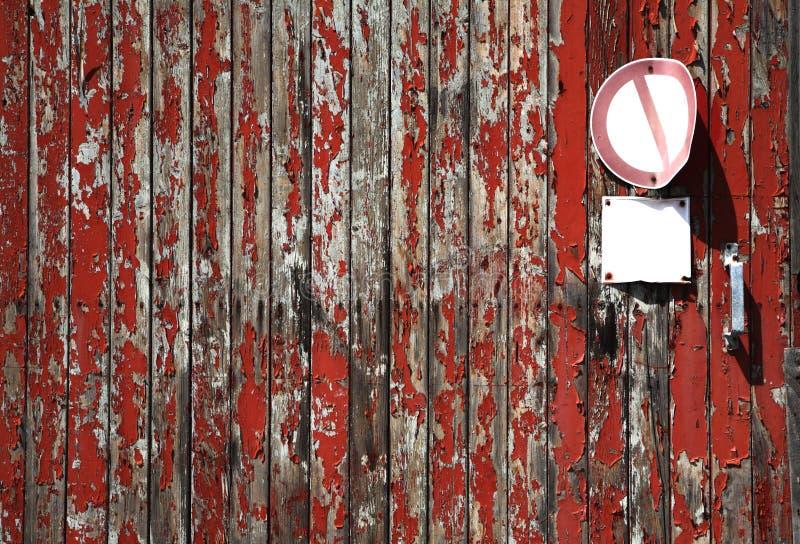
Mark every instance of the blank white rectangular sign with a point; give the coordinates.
(646, 239)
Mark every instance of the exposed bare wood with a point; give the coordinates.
(250, 271)
(290, 309)
(129, 460)
(369, 286)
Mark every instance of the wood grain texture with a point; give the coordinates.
(13, 267)
(448, 321)
(566, 276)
(290, 310)
(487, 415)
(408, 374)
(210, 269)
(689, 320)
(609, 315)
(770, 277)
(309, 270)
(250, 271)
(791, 370)
(89, 331)
(170, 426)
(330, 271)
(129, 456)
(649, 316)
(370, 283)
(730, 372)
(48, 262)
(527, 275)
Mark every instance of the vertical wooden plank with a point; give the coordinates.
(129, 455)
(88, 416)
(689, 421)
(409, 253)
(13, 265)
(250, 269)
(170, 418)
(566, 273)
(330, 271)
(369, 288)
(608, 327)
(488, 269)
(448, 326)
(48, 301)
(648, 343)
(770, 275)
(793, 137)
(791, 370)
(732, 489)
(290, 312)
(211, 262)
(527, 441)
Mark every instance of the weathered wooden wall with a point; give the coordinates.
(322, 270)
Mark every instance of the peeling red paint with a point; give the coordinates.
(770, 280)
(211, 268)
(89, 300)
(567, 253)
(330, 336)
(447, 477)
(13, 266)
(729, 372)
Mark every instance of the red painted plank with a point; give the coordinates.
(409, 247)
(330, 270)
(369, 285)
(689, 424)
(290, 311)
(13, 265)
(87, 432)
(211, 261)
(130, 274)
(448, 332)
(770, 279)
(729, 372)
(527, 397)
(567, 314)
(608, 316)
(48, 306)
(171, 306)
(250, 269)
(488, 269)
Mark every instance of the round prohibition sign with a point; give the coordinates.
(643, 120)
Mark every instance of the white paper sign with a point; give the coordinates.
(646, 239)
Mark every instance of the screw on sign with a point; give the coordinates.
(643, 120)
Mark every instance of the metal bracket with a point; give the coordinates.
(730, 258)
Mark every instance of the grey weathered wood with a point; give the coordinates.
(171, 181)
(211, 268)
(448, 326)
(130, 271)
(369, 287)
(487, 405)
(408, 369)
(330, 269)
(290, 310)
(250, 271)
(48, 302)
(793, 135)
(648, 321)
(527, 273)
(608, 311)
(791, 369)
